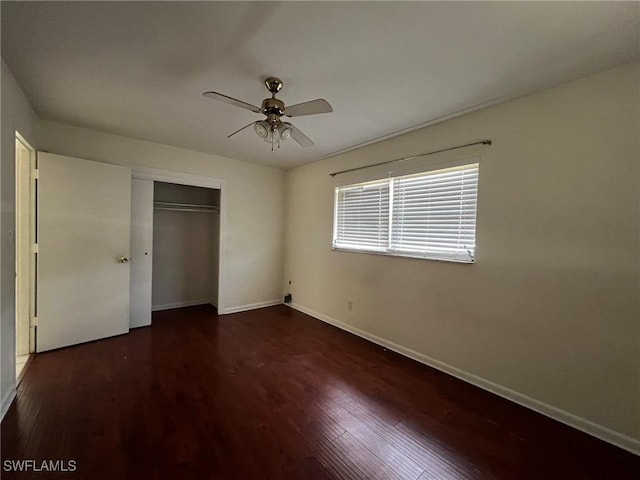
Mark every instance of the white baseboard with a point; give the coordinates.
(251, 306)
(7, 400)
(190, 303)
(603, 433)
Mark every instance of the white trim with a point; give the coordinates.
(222, 249)
(24, 142)
(251, 306)
(189, 303)
(7, 400)
(397, 253)
(603, 433)
(170, 176)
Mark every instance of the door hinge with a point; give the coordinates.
(36, 174)
(33, 322)
(34, 248)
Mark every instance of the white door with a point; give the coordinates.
(141, 251)
(84, 222)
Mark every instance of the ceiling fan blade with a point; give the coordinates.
(239, 130)
(231, 101)
(300, 137)
(308, 108)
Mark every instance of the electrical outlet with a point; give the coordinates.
(350, 305)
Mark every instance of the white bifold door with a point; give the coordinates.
(141, 251)
(84, 223)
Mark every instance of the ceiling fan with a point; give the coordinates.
(272, 130)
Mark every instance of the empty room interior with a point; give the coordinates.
(320, 240)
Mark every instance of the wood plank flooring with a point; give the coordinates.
(274, 394)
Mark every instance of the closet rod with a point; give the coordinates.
(198, 210)
(480, 142)
(185, 207)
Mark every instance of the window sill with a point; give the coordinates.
(402, 255)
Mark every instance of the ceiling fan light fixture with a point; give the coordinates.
(273, 129)
(262, 129)
(270, 133)
(285, 131)
(273, 135)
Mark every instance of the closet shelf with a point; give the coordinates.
(186, 207)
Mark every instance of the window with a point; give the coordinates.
(362, 216)
(426, 215)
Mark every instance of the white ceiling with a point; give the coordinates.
(139, 68)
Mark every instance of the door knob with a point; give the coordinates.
(124, 260)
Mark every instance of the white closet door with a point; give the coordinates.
(141, 251)
(84, 222)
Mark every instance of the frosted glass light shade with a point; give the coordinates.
(262, 130)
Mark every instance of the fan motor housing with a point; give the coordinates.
(273, 106)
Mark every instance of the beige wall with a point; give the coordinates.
(16, 115)
(254, 196)
(185, 264)
(548, 315)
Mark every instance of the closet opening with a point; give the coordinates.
(186, 246)
(177, 243)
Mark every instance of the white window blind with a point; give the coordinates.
(434, 213)
(427, 215)
(362, 216)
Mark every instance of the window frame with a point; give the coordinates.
(392, 250)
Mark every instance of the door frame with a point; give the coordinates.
(25, 258)
(170, 176)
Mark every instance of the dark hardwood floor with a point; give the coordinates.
(274, 394)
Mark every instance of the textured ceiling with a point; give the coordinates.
(139, 68)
